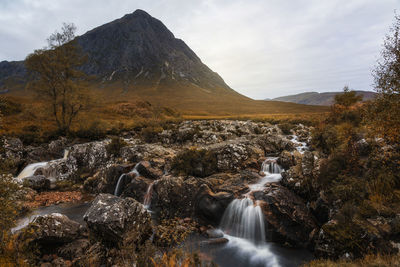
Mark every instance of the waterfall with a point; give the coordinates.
(147, 196)
(66, 153)
(30, 170)
(244, 219)
(272, 174)
(300, 146)
(120, 183)
(269, 166)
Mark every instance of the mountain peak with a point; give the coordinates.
(140, 47)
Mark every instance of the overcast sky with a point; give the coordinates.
(261, 48)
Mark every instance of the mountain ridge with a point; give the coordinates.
(319, 99)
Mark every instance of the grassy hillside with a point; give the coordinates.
(117, 108)
(323, 99)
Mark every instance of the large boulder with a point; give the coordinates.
(175, 196)
(287, 218)
(90, 156)
(52, 229)
(112, 219)
(301, 178)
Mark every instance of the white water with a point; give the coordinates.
(272, 174)
(243, 220)
(118, 187)
(30, 170)
(300, 146)
(147, 196)
(259, 254)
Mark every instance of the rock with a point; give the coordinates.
(286, 160)
(145, 169)
(320, 209)
(123, 181)
(51, 229)
(111, 219)
(214, 233)
(301, 178)
(287, 218)
(211, 206)
(175, 196)
(90, 156)
(56, 148)
(105, 180)
(58, 170)
(363, 147)
(230, 157)
(215, 241)
(136, 188)
(12, 152)
(307, 163)
(38, 182)
(74, 250)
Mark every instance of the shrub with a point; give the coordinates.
(9, 106)
(286, 128)
(94, 131)
(195, 162)
(114, 147)
(150, 133)
(8, 214)
(171, 232)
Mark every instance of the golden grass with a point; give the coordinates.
(120, 107)
(367, 261)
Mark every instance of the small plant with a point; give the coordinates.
(95, 131)
(196, 162)
(114, 147)
(171, 232)
(150, 133)
(286, 128)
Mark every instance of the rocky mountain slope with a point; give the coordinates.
(138, 47)
(322, 99)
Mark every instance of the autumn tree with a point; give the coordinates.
(57, 79)
(384, 113)
(347, 98)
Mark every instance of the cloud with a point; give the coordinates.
(261, 48)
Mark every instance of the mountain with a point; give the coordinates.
(11, 72)
(139, 47)
(137, 57)
(320, 99)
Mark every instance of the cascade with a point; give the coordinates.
(272, 173)
(243, 218)
(147, 196)
(120, 183)
(30, 169)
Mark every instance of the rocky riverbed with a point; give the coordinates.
(190, 172)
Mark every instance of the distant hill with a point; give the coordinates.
(320, 99)
(137, 57)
